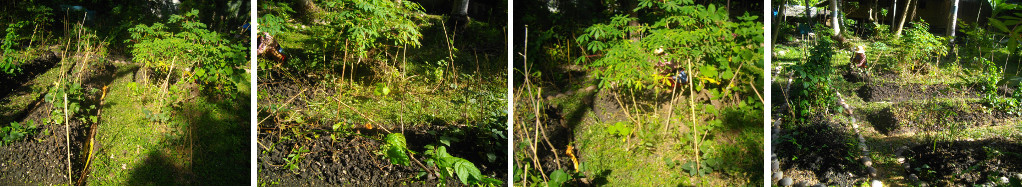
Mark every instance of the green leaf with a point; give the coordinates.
(465, 170)
(558, 178)
(396, 149)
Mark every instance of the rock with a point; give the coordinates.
(819, 185)
(871, 171)
(876, 183)
(1018, 176)
(801, 184)
(913, 178)
(901, 160)
(924, 184)
(786, 182)
(777, 175)
(1004, 180)
(774, 165)
(866, 161)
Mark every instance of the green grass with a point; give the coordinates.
(417, 97)
(206, 142)
(930, 110)
(20, 100)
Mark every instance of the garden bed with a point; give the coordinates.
(354, 159)
(965, 162)
(898, 92)
(822, 152)
(901, 118)
(42, 157)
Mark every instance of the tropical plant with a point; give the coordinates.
(918, 44)
(17, 131)
(187, 44)
(450, 165)
(813, 89)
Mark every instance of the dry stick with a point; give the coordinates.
(754, 90)
(552, 149)
(363, 115)
(450, 53)
(627, 114)
(635, 106)
(670, 109)
(535, 136)
(535, 105)
(732, 81)
(285, 103)
(692, 108)
(67, 128)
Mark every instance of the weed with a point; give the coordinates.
(449, 165)
(295, 158)
(396, 150)
(16, 131)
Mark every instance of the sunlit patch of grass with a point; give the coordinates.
(203, 138)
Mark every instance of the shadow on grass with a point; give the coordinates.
(746, 144)
(218, 132)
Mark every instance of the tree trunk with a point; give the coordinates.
(901, 23)
(630, 7)
(459, 14)
(954, 20)
(894, 10)
(461, 8)
(780, 14)
(835, 22)
(912, 17)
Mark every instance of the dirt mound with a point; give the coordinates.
(29, 70)
(856, 76)
(896, 92)
(913, 117)
(354, 160)
(823, 148)
(964, 163)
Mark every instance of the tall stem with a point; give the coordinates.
(692, 108)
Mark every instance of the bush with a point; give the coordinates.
(813, 91)
(701, 34)
(187, 44)
(919, 44)
(364, 22)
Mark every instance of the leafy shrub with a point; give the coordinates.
(72, 94)
(702, 34)
(363, 22)
(187, 44)
(16, 131)
(919, 44)
(450, 165)
(40, 17)
(396, 149)
(7, 63)
(813, 91)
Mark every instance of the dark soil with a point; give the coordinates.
(892, 92)
(932, 117)
(857, 76)
(41, 159)
(38, 159)
(354, 160)
(824, 148)
(965, 163)
(29, 70)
